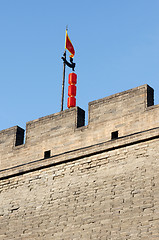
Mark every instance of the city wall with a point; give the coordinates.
(71, 181)
(127, 112)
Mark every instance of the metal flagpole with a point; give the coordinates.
(63, 82)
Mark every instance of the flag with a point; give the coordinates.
(69, 46)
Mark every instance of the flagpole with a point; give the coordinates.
(63, 82)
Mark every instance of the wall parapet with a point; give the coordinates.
(124, 114)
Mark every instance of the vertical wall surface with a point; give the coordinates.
(92, 186)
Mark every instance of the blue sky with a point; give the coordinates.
(116, 44)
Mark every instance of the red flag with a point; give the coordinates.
(69, 46)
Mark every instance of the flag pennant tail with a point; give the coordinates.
(69, 46)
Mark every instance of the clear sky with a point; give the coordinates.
(116, 44)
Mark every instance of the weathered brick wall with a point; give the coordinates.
(91, 187)
(110, 195)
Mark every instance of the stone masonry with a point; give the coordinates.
(68, 181)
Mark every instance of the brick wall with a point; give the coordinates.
(110, 195)
(91, 187)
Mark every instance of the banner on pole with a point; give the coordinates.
(69, 46)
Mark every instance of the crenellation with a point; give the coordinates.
(121, 104)
(8, 137)
(54, 125)
(71, 181)
(19, 138)
(126, 113)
